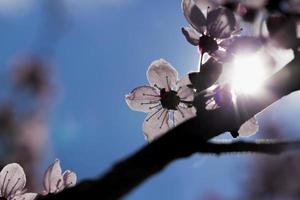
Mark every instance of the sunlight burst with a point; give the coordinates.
(248, 73)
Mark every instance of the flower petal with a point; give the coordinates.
(70, 179)
(221, 56)
(185, 93)
(211, 104)
(156, 124)
(220, 23)
(26, 196)
(242, 44)
(184, 81)
(143, 98)
(53, 179)
(183, 114)
(193, 15)
(161, 74)
(191, 35)
(249, 128)
(12, 179)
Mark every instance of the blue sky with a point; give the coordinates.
(102, 55)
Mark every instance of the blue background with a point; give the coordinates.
(103, 53)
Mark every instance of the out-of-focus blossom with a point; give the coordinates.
(292, 6)
(207, 32)
(257, 4)
(55, 181)
(31, 74)
(7, 118)
(167, 101)
(283, 31)
(12, 183)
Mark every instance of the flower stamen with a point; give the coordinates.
(162, 114)
(154, 114)
(2, 188)
(165, 117)
(150, 102)
(14, 186)
(180, 111)
(155, 106)
(150, 95)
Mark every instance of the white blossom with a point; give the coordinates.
(12, 183)
(207, 32)
(55, 181)
(167, 101)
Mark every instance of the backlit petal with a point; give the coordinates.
(156, 124)
(26, 196)
(185, 93)
(249, 128)
(193, 15)
(191, 35)
(143, 98)
(161, 74)
(12, 179)
(53, 179)
(183, 114)
(70, 178)
(220, 23)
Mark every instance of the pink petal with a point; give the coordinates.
(191, 35)
(143, 98)
(185, 93)
(12, 179)
(220, 23)
(183, 114)
(184, 81)
(193, 15)
(249, 128)
(161, 74)
(156, 124)
(53, 179)
(70, 178)
(211, 104)
(26, 196)
(242, 44)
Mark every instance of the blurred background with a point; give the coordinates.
(65, 67)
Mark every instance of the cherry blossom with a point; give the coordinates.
(12, 183)
(208, 32)
(167, 101)
(55, 181)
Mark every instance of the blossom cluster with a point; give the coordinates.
(13, 181)
(217, 34)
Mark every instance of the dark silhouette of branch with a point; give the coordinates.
(272, 147)
(186, 139)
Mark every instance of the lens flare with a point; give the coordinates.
(248, 73)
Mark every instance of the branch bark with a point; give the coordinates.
(187, 138)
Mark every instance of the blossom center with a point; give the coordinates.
(208, 44)
(169, 99)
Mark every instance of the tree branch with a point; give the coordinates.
(272, 147)
(186, 139)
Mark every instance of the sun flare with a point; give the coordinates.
(248, 73)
